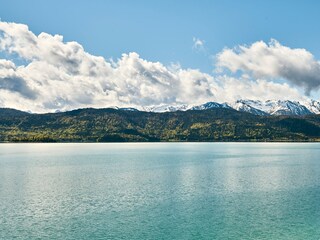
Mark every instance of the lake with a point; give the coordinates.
(160, 191)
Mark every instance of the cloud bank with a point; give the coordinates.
(272, 61)
(58, 75)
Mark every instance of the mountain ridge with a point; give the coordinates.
(255, 107)
(121, 125)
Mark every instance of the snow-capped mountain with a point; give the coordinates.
(313, 106)
(210, 105)
(272, 107)
(287, 108)
(184, 107)
(256, 107)
(249, 106)
(166, 108)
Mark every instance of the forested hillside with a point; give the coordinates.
(110, 125)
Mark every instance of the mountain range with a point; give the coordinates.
(241, 121)
(256, 107)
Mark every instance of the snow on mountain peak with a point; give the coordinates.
(166, 108)
(257, 107)
(210, 105)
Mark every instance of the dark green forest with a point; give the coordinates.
(111, 125)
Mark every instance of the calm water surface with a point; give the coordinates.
(160, 191)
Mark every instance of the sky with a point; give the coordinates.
(61, 55)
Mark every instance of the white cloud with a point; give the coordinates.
(232, 89)
(198, 44)
(272, 61)
(62, 76)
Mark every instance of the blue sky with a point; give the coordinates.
(156, 52)
(163, 30)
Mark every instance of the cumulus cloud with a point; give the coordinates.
(60, 75)
(232, 89)
(273, 60)
(11, 81)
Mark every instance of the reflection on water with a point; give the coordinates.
(160, 191)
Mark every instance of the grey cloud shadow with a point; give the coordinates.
(17, 84)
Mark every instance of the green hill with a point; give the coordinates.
(110, 125)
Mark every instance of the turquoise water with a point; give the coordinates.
(160, 191)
